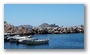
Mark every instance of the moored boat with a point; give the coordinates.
(23, 41)
(37, 42)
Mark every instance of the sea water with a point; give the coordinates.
(56, 41)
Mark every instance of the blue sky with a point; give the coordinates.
(36, 14)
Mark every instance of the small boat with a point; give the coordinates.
(16, 38)
(37, 42)
(23, 41)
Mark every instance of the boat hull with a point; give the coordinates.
(36, 42)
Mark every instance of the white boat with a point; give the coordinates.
(23, 41)
(19, 37)
(37, 42)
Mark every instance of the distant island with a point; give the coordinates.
(41, 29)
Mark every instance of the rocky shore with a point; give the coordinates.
(42, 29)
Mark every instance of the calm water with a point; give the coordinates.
(56, 41)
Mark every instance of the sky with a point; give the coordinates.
(36, 14)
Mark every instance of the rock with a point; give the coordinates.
(15, 30)
(42, 29)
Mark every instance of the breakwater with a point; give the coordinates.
(22, 30)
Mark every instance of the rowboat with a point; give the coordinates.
(37, 42)
(23, 41)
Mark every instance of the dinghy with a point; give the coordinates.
(37, 42)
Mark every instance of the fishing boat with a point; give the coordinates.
(13, 39)
(23, 41)
(37, 42)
